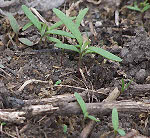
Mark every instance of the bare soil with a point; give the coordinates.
(44, 65)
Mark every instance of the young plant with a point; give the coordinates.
(144, 6)
(82, 46)
(43, 28)
(65, 128)
(115, 123)
(15, 27)
(124, 87)
(83, 107)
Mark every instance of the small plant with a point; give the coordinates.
(83, 107)
(65, 128)
(115, 123)
(82, 46)
(43, 28)
(15, 27)
(124, 87)
(144, 6)
(58, 82)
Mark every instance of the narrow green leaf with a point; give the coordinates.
(93, 118)
(81, 16)
(29, 24)
(13, 23)
(69, 24)
(31, 16)
(64, 128)
(81, 102)
(26, 41)
(60, 32)
(104, 53)
(66, 46)
(58, 82)
(53, 39)
(134, 8)
(115, 120)
(57, 24)
(127, 85)
(121, 132)
(43, 30)
(146, 8)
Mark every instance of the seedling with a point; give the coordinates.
(82, 46)
(124, 87)
(83, 107)
(15, 27)
(43, 28)
(144, 6)
(58, 82)
(115, 123)
(65, 128)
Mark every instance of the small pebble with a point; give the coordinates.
(140, 76)
(98, 23)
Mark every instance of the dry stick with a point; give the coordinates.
(69, 109)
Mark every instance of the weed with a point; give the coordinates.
(83, 107)
(82, 47)
(43, 28)
(124, 87)
(115, 123)
(65, 128)
(58, 82)
(15, 26)
(144, 6)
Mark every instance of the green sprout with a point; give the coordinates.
(58, 82)
(83, 107)
(15, 26)
(82, 47)
(144, 6)
(115, 123)
(124, 87)
(65, 128)
(43, 28)
(3, 123)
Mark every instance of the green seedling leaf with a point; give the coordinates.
(66, 46)
(43, 30)
(83, 48)
(60, 32)
(57, 24)
(93, 118)
(26, 41)
(121, 132)
(13, 23)
(104, 53)
(115, 120)
(134, 8)
(29, 24)
(31, 16)
(64, 128)
(80, 16)
(124, 87)
(3, 124)
(52, 39)
(69, 24)
(81, 103)
(58, 82)
(146, 8)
